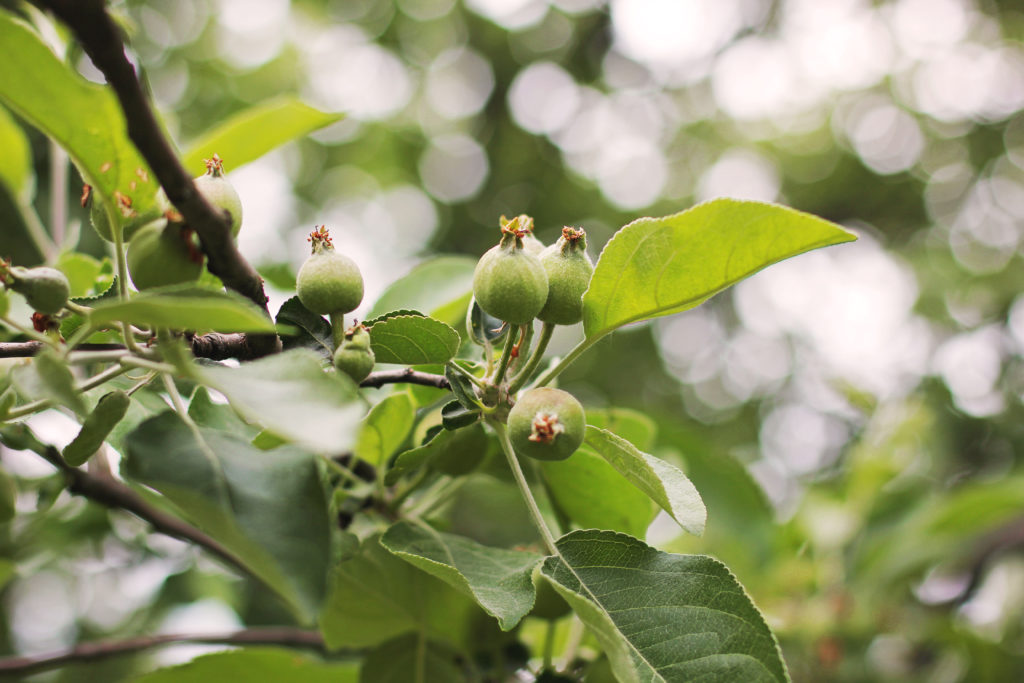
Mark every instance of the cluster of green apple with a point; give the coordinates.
(518, 281)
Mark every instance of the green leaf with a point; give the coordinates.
(483, 327)
(267, 507)
(454, 415)
(657, 266)
(312, 330)
(16, 173)
(413, 340)
(376, 596)
(291, 396)
(84, 118)
(206, 413)
(8, 497)
(86, 275)
(409, 659)
(109, 410)
(633, 426)
(250, 134)
(385, 428)
(185, 308)
(437, 286)
(49, 378)
(662, 482)
(391, 314)
(5, 302)
(663, 617)
(255, 665)
(499, 580)
(594, 495)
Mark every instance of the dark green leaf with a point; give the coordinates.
(410, 659)
(663, 617)
(268, 507)
(313, 331)
(110, 410)
(8, 498)
(462, 388)
(455, 416)
(498, 580)
(290, 395)
(376, 596)
(484, 328)
(657, 266)
(413, 340)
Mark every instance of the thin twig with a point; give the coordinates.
(407, 376)
(91, 652)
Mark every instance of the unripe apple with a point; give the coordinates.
(328, 282)
(546, 424)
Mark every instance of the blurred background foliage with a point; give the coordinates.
(853, 417)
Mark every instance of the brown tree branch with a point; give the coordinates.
(101, 40)
(407, 376)
(106, 490)
(90, 652)
(222, 346)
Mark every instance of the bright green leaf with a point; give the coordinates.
(86, 275)
(16, 161)
(662, 617)
(594, 495)
(413, 340)
(657, 266)
(84, 118)
(255, 665)
(498, 579)
(631, 425)
(407, 659)
(291, 396)
(185, 308)
(250, 134)
(662, 482)
(267, 507)
(385, 428)
(376, 596)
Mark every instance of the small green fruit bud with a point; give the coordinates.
(220, 193)
(569, 269)
(46, 289)
(328, 282)
(163, 253)
(354, 356)
(509, 282)
(546, 424)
